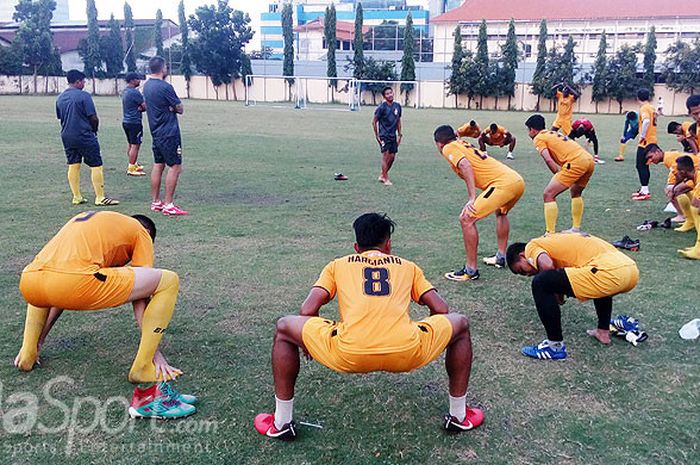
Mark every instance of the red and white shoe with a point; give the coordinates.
(157, 206)
(474, 418)
(173, 210)
(640, 196)
(264, 424)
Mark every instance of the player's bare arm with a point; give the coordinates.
(399, 134)
(95, 123)
(435, 303)
(317, 298)
(375, 123)
(549, 161)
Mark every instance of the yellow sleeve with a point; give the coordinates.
(462, 130)
(327, 279)
(143, 250)
(540, 143)
(420, 284)
(560, 95)
(452, 154)
(532, 251)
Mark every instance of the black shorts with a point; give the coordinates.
(389, 144)
(90, 154)
(168, 150)
(134, 133)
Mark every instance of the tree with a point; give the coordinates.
(408, 66)
(329, 32)
(455, 85)
(34, 40)
(600, 72)
(510, 63)
(469, 77)
(185, 61)
(624, 82)
(246, 69)
(649, 77)
(158, 33)
(112, 51)
(377, 71)
(539, 78)
(129, 38)
(11, 61)
(89, 48)
(483, 87)
(358, 60)
(560, 67)
(681, 70)
(288, 35)
(220, 35)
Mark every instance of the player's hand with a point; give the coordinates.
(398, 139)
(164, 368)
(469, 208)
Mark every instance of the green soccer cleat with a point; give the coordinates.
(153, 403)
(169, 390)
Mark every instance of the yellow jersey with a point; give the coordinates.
(487, 171)
(562, 149)
(565, 106)
(94, 240)
(670, 163)
(572, 250)
(685, 128)
(647, 112)
(498, 136)
(374, 292)
(469, 131)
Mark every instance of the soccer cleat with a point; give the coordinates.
(79, 201)
(462, 275)
(543, 351)
(157, 206)
(598, 161)
(139, 166)
(498, 262)
(169, 390)
(173, 210)
(627, 243)
(628, 328)
(151, 402)
(640, 196)
(619, 158)
(135, 172)
(106, 202)
(340, 177)
(264, 424)
(510, 157)
(474, 418)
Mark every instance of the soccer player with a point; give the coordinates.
(497, 136)
(647, 135)
(387, 130)
(375, 332)
(684, 135)
(693, 105)
(572, 167)
(133, 107)
(678, 192)
(583, 127)
(84, 267)
(687, 172)
(471, 129)
(79, 124)
(566, 97)
(574, 265)
(501, 188)
(630, 131)
(163, 107)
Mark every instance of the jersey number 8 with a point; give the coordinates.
(376, 281)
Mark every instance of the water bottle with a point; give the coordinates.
(690, 330)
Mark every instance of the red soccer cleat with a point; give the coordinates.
(474, 418)
(173, 210)
(264, 424)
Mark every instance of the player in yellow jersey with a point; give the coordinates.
(686, 171)
(574, 265)
(678, 193)
(647, 135)
(566, 97)
(572, 167)
(375, 332)
(471, 129)
(501, 188)
(693, 106)
(84, 267)
(497, 136)
(683, 134)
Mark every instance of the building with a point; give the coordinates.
(7, 9)
(624, 21)
(311, 40)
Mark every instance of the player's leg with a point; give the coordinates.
(74, 159)
(93, 159)
(172, 151)
(502, 233)
(482, 142)
(621, 153)
(644, 175)
(171, 179)
(387, 162)
(511, 147)
(156, 177)
(577, 206)
(470, 236)
(603, 309)
(694, 251)
(285, 364)
(33, 328)
(682, 204)
(551, 211)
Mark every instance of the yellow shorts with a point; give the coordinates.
(501, 198)
(605, 276)
(320, 339)
(564, 125)
(108, 287)
(577, 172)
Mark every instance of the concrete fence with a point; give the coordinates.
(427, 94)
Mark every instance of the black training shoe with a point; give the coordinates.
(627, 243)
(462, 275)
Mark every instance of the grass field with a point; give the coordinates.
(266, 216)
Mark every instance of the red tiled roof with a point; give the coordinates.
(344, 30)
(535, 10)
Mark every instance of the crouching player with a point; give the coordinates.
(686, 171)
(574, 265)
(497, 136)
(375, 332)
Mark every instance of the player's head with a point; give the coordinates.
(473, 124)
(643, 95)
(493, 127)
(443, 135)
(148, 224)
(631, 115)
(75, 78)
(388, 94)
(693, 105)
(685, 168)
(579, 131)
(134, 79)
(535, 124)
(653, 154)
(157, 66)
(675, 127)
(566, 91)
(517, 263)
(373, 231)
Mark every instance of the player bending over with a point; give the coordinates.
(693, 106)
(683, 135)
(566, 97)
(501, 188)
(375, 333)
(471, 129)
(630, 131)
(583, 127)
(572, 167)
(497, 136)
(574, 265)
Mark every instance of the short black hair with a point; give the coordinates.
(147, 223)
(156, 64)
(672, 127)
(692, 101)
(444, 134)
(535, 122)
(385, 89)
(493, 127)
(74, 76)
(644, 95)
(651, 148)
(685, 163)
(472, 123)
(631, 115)
(513, 252)
(372, 229)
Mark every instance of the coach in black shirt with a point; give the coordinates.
(387, 131)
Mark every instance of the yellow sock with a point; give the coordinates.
(550, 216)
(686, 210)
(576, 212)
(158, 313)
(622, 150)
(98, 183)
(693, 252)
(74, 181)
(33, 326)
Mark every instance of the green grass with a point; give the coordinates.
(266, 216)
